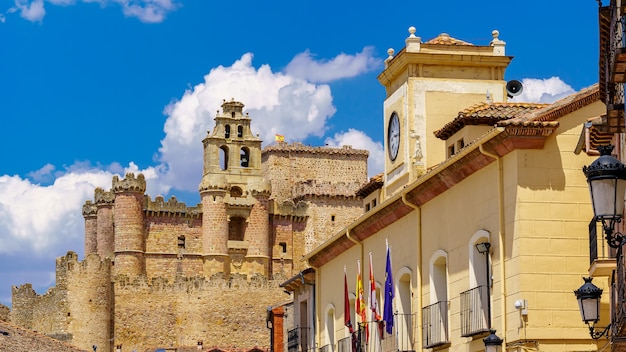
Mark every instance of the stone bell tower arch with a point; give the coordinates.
(234, 196)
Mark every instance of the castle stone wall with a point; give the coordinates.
(225, 313)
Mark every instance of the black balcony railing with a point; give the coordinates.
(618, 296)
(345, 344)
(435, 325)
(298, 340)
(326, 348)
(474, 311)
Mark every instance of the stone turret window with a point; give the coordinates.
(283, 247)
(236, 228)
(181, 242)
(232, 114)
(224, 157)
(239, 131)
(227, 131)
(244, 155)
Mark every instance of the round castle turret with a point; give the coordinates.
(129, 224)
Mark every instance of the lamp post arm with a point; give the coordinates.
(598, 334)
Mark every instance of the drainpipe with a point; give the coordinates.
(419, 269)
(501, 236)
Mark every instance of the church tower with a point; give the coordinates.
(234, 195)
(427, 84)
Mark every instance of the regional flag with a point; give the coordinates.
(389, 295)
(360, 301)
(279, 138)
(346, 306)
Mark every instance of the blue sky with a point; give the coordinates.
(89, 89)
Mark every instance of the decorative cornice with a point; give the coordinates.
(129, 184)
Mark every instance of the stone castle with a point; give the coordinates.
(161, 274)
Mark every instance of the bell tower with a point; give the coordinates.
(234, 195)
(427, 84)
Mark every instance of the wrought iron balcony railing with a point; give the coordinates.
(618, 298)
(474, 311)
(298, 340)
(435, 325)
(345, 344)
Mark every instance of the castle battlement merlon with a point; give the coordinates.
(172, 206)
(298, 147)
(129, 184)
(312, 188)
(102, 197)
(89, 209)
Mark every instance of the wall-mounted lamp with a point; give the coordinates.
(492, 342)
(588, 296)
(607, 184)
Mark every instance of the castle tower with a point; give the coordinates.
(235, 225)
(104, 223)
(129, 224)
(91, 227)
(425, 84)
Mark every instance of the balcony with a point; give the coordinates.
(435, 325)
(298, 340)
(474, 311)
(326, 348)
(345, 344)
(601, 256)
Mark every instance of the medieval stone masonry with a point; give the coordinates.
(161, 274)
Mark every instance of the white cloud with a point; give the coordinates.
(359, 140)
(147, 11)
(342, 66)
(33, 11)
(278, 103)
(44, 174)
(2, 18)
(546, 90)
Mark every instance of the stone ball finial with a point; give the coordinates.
(412, 31)
(390, 51)
(495, 33)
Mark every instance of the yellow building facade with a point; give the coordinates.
(468, 172)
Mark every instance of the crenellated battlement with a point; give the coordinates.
(100, 196)
(328, 189)
(129, 183)
(89, 209)
(171, 207)
(298, 147)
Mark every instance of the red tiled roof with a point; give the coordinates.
(485, 114)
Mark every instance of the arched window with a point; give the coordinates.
(227, 131)
(239, 131)
(224, 157)
(402, 305)
(435, 316)
(329, 328)
(236, 192)
(244, 157)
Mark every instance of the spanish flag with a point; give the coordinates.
(279, 138)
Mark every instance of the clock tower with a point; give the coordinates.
(427, 84)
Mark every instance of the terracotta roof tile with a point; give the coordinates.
(446, 39)
(485, 114)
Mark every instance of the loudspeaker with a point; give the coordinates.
(513, 88)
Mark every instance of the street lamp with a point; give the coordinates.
(492, 342)
(588, 296)
(607, 183)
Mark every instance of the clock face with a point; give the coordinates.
(393, 136)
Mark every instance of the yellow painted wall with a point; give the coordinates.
(546, 250)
